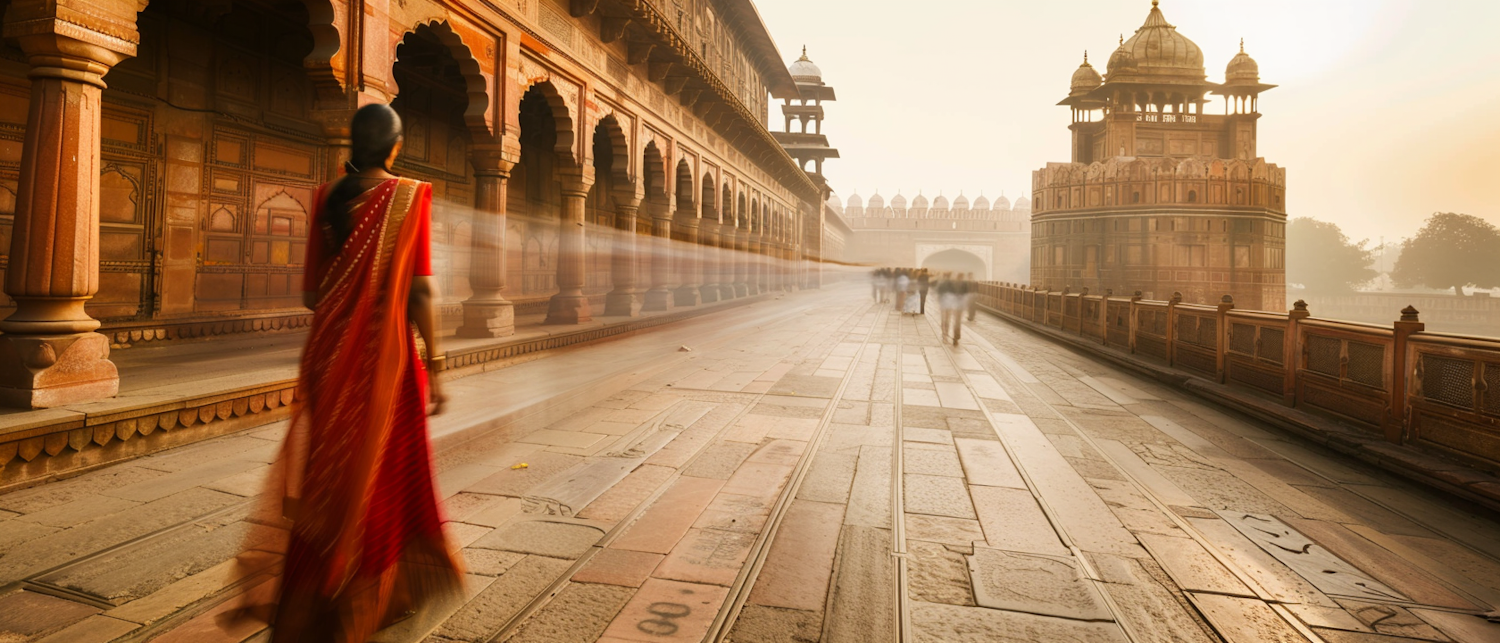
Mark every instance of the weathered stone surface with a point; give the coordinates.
(78, 511)
(945, 530)
(543, 538)
(489, 562)
(53, 550)
(1381, 564)
(1035, 584)
(669, 611)
(933, 462)
(516, 482)
(937, 496)
(1013, 520)
(986, 463)
(719, 460)
(26, 616)
(1274, 577)
(710, 556)
(761, 624)
(932, 623)
(1245, 620)
(1461, 627)
(1394, 620)
(1191, 567)
(624, 497)
(829, 478)
(1221, 491)
(578, 614)
(487, 612)
(1365, 511)
(800, 564)
(1150, 605)
(937, 574)
(864, 575)
(1312, 561)
(870, 499)
(664, 523)
(157, 562)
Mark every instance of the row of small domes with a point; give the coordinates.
(1157, 52)
(940, 203)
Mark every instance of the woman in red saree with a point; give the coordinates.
(366, 545)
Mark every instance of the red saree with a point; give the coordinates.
(366, 542)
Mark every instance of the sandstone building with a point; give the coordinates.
(989, 240)
(158, 158)
(1162, 196)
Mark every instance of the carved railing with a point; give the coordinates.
(1395, 384)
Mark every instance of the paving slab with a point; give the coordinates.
(578, 614)
(665, 610)
(1245, 620)
(937, 496)
(543, 538)
(800, 562)
(862, 597)
(937, 623)
(1013, 520)
(1035, 584)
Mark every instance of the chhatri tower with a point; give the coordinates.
(1161, 196)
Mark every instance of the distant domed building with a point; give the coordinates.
(1160, 196)
(985, 238)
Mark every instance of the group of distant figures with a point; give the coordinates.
(907, 288)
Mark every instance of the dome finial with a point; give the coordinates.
(1122, 40)
(1155, 3)
(1086, 54)
(804, 53)
(1242, 45)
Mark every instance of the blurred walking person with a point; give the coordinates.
(971, 295)
(366, 545)
(902, 285)
(924, 283)
(950, 304)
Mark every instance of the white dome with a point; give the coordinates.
(1002, 203)
(961, 203)
(855, 201)
(804, 69)
(940, 203)
(877, 202)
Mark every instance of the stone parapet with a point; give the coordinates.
(1422, 405)
(39, 445)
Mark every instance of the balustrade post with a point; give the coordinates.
(1291, 351)
(1172, 328)
(1134, 318)
(1398, 420)
(1221, 343)
(1103, 320)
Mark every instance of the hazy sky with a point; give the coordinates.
(1386, 110)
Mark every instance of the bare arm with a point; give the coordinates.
(420, 309)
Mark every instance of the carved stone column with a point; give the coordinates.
(570, 305)
(741, 262)
(690, 275)
(660, 297)
(756, 279)
(625, 299)
(49, 353)
(708, 253)
(487, 313)
(728, 261)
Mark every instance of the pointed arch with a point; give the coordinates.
(481, 105)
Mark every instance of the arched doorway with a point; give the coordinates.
(956, 261)
(433, 98)
(534, 199)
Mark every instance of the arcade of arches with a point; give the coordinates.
(158, 162)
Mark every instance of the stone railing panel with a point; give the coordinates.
(1454, 395)
(1343, 369)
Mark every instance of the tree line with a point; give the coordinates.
(1451, 251)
